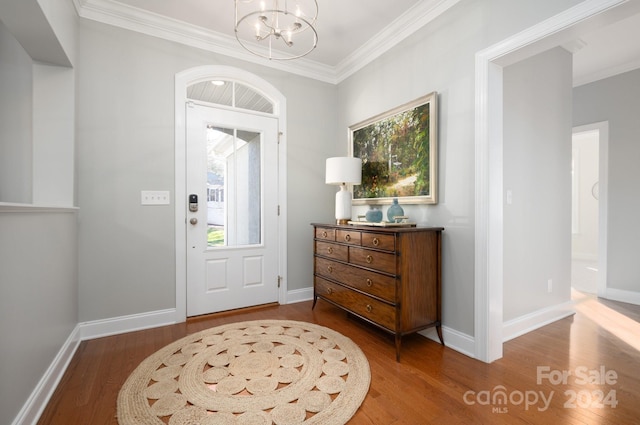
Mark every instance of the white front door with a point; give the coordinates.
(232, 215)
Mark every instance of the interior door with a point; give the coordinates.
(232, 211)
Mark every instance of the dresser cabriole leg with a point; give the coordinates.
(439, 330)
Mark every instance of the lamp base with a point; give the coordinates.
(343, 205)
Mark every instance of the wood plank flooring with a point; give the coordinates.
(431, 385)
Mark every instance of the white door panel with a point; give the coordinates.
(232, 238)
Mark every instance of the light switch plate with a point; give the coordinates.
(154, 197)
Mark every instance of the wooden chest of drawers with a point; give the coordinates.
(390, 277)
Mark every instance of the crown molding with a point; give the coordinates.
(601, 74)
(406, 24)
(114, 13)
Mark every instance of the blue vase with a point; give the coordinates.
(394, 210)
(374, 215)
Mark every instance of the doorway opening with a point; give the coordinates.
(489, 229)
(585, 194)
(590, 153)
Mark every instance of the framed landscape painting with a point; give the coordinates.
(399, 152)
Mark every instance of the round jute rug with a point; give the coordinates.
(258, 372)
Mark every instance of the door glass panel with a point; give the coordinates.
(234, 187)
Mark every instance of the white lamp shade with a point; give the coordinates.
(343, 170)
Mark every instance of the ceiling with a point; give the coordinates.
(343, 25)
(351, 33)
(607, 51)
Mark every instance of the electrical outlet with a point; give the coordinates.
(154, 197)
(549, 285)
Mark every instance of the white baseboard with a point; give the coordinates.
(532, 321)
(32, 409)
(153, 319)
(37, 401)
(122, 324)
(453, 339)
(622, 296)
(299, 295)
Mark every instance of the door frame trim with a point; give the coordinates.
(182, 80)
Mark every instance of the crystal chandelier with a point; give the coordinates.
(277, 29)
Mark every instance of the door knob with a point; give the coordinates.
(193, 221)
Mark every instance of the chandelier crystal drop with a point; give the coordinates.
(277, 29)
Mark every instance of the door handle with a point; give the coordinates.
(193, 221)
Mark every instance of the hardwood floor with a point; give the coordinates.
(431, 385)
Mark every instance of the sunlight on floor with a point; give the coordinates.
(623, 327)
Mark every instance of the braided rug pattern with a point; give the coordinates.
(258, 372)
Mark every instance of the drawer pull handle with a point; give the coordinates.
(330, 250)
(324, 234)
(376, 241)
(329, 291)
(369, 259)
(347, 238)
(330, 269)
(369, 283)
(369, 308)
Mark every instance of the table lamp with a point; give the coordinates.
(341, 171)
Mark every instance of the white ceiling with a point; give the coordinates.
(343, 25)
(608, 51)
(351, 33)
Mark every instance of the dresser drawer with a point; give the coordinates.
(352, 237)
(370, 308)
(325, 233)
(376, 284)
(389, 277)
(373, 259)
(332, 250)
(379, 241)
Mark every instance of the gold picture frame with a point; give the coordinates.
(399, 152)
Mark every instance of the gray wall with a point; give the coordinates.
(537, 166)
(125, 144)
(124, 131)
(34, 98)
(125, 139)
(15, 120)
(38, 246)
(617, 100)
(38, 298)
(440, 57)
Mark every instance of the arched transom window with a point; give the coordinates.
(230, 93)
